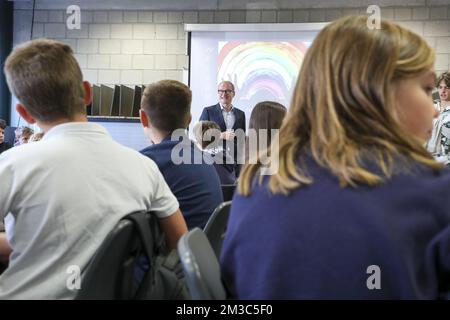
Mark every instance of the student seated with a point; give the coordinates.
(358, 207)
(3, 144)
(265, 122)
(207, 135)
(439, 144)
(165, 113)
(62, 196)
(23, 135)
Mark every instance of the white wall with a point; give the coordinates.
(147, 43)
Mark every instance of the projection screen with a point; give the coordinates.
(262, 60)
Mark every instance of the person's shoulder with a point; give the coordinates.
(150, 150)
(22, 154)
(161, 153)
(24, 149)
(212, 106)
(441, 177)
(239, 111)
(130, 156)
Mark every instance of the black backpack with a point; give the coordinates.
(164, 278)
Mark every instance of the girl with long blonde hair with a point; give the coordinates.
(358, 207)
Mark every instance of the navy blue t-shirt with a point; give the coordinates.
(196, 186)
(327, 242)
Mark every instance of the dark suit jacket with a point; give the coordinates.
(214, 113)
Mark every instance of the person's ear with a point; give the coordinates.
(143, 117)
(87, 92)
(25, 114)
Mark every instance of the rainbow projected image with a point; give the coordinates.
(261, 70)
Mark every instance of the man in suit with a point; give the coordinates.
(228, 117)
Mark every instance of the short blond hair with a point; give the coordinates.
(44, 75)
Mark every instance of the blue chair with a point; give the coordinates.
(201, 267)
(216, 226)
(110, 273)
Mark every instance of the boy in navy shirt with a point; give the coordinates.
(165, 113)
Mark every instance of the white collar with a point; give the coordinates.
(223, 109)
(77, 127)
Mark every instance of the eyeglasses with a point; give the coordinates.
(224, 91)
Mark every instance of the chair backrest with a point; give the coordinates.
(217, 225)
(201, 267)
(228, 191)
(110, 272)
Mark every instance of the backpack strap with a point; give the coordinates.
(152, 242)
(141, 222)
(159, 238)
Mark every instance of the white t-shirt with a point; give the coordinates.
(61, 197)
(438, 145)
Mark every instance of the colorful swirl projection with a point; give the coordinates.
(270, 68)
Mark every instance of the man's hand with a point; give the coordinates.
(227, 135)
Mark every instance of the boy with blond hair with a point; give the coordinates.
(59, 207)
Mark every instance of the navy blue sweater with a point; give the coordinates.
(322, 241)
(196, 186)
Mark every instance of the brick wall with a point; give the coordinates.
(135, 47)
(139, 47)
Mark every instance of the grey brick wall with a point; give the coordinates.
(114, 46)
(142, 46)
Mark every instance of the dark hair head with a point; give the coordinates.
(267, 115)
(2, 124)
(167, 104)
(199, 132)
